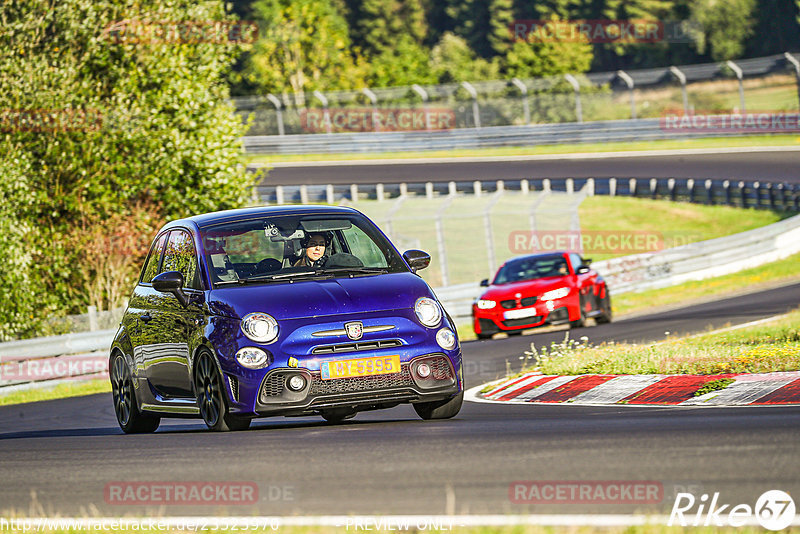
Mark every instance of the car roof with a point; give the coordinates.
(209, 219)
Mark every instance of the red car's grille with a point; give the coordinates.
(512, 303)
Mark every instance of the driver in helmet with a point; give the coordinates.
(314, 246)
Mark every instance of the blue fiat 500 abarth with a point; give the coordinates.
(286, 310)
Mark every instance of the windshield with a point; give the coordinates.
(532, 268)
(283, 248)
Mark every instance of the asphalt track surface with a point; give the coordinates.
(59, 457)
(782, 166)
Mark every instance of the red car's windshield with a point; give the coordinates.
(531, 268)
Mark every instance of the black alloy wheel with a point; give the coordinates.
(130, 419)
(211, 398)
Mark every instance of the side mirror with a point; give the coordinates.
(582, 269)
(417, 259)
(171, 282)
(485, 282)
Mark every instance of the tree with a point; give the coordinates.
(391, 34)
(405, 63)
(452, 60)
(102, 115)
(304, 46)
(726, 25)
(539, 55)
(376, 25)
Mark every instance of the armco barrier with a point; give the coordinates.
(44, 359)
(465, 138)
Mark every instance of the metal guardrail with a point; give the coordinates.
(466, 138)
(743, 194)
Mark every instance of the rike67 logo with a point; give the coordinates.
(774, 510)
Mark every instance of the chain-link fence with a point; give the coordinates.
(468, 236)
(754, 85)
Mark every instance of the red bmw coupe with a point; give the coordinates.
(531, 291)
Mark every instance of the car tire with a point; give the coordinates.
(130, 419)
(211, 399)
(335, 417)
(581, 321)
(605, 305)
(440, 409)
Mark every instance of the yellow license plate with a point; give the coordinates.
(382, 365)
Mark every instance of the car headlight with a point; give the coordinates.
(260, 327)
(253, 358)
(446, 338)
(554, 294)
(485, 304)
(428, 312)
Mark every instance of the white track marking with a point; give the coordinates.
(544, 388)
(616, 389)
(741, 392)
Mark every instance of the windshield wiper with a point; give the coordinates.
(354, 270)
(267, 278)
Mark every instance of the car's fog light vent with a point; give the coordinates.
(439, 372)
(273, 386)
(234, 388)
(354, 347)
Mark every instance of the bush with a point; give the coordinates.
(109, 130)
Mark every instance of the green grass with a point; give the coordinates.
(674, 144)
(60, 391)
(762, 348)
(678, 223)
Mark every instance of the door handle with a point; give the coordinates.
(145, 317)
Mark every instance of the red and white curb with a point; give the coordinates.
(745, 390)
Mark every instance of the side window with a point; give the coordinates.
(181, 256)
(364, 248)
(151, 267)
(576, 261)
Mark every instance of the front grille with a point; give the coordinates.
(524, 303)
(360, 383)
(522, 322)
(356, 347)
(273, 385)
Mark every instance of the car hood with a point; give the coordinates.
(314, 298)
(526, 288)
